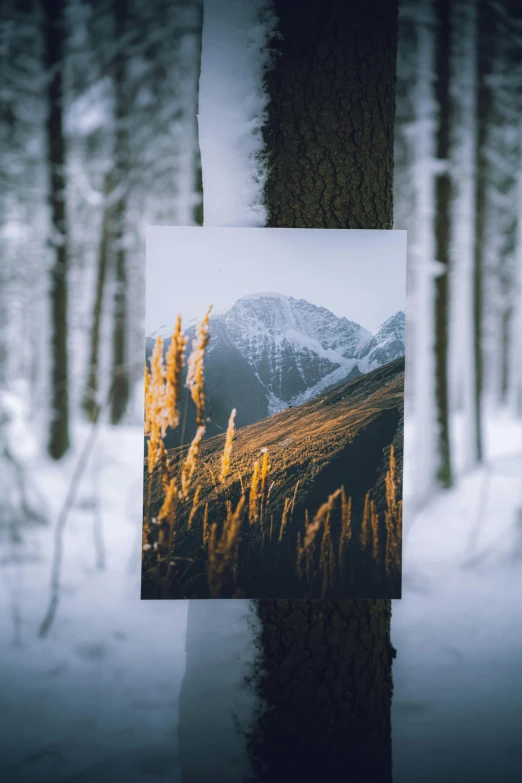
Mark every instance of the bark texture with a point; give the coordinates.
(329, 131)
(326, 680)
(328, 685)
(53, 33)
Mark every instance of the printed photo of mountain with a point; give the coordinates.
(274, 402)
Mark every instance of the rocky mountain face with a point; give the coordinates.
(270, 351)
(387, 344)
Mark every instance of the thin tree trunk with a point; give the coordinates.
(53, 33)
(90, 402)
(422, 250)
(515, 389)
(120, 370)
(505, 351)
(443, 199)
(462, 364)
(198, 183)
(484, 107)
(191, 191)
(326, 665)
(508, 100)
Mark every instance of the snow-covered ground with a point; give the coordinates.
(97, 699)
(457, 706)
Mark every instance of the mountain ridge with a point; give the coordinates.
(270, 351)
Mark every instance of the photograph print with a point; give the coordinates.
(274, 413)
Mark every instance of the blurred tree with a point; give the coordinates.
(54, 59)
(91, 404)
(442, 226)
(504, 156)
(120, 369)
(485, 47)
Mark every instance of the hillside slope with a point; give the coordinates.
(270, 351)
(341, 438)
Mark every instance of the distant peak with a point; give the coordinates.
(263, 295)
(396, 318)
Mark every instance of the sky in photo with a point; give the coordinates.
(357, 274)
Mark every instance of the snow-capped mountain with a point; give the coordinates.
(386, 345)
(293, 346)
(270, 351)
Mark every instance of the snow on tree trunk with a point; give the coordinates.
(232, 105)
(188, 201)
(346, 684)
(215, 705)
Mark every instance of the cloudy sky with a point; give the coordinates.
(357, 274)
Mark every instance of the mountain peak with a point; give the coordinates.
(398, 318)
(387, 342)
(263, 295)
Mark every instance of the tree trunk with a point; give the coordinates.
(198, 180)
(515, 378)
(53, 33)
(463, 143)
(421, 254)
(91, 403)
(190, 210)
(443, 199)
(484, 108)
(326, 665)
(120, 370)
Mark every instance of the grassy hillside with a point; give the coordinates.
(268, 530)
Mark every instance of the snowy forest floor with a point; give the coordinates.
(457, 704)
(98, 697)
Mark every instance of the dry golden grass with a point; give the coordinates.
(222, 551)
(173, 372)
(393, 518)
(190, 464)
(227, 451)
(320, 549)
(253, 508)
(195, 375)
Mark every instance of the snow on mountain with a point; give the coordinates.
(387, 344)
(163, 331)
(295, 349)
